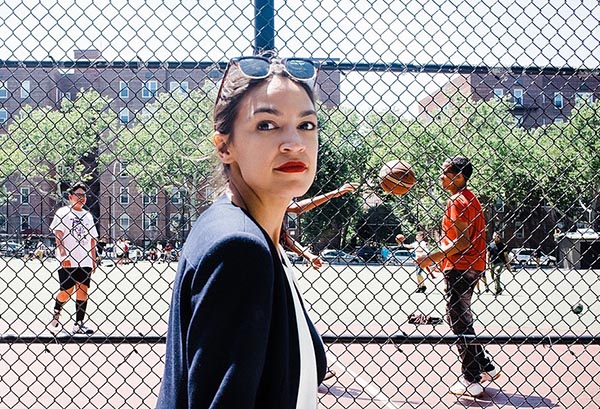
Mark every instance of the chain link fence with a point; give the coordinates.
(120, 95)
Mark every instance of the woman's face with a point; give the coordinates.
(274, 150)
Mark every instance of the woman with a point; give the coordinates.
(239, 336)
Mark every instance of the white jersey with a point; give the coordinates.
(78, 229)
(421, 248)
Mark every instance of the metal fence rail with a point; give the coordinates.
(121, 96)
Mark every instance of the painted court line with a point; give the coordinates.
(374, 392)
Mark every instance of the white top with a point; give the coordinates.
(420, 247)
(307, 387)
(78, 229)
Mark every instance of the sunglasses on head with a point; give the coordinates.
(256, 67)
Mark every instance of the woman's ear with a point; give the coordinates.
(220, 140)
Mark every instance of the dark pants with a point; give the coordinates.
(459, 290)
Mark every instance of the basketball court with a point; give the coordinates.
(359, 300)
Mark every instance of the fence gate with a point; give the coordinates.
(120, 94)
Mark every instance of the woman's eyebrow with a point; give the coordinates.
(273, 111)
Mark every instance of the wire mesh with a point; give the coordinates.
(120, 95)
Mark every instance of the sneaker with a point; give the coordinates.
(329, 374)
(421, 289)
(466, 388)
(54, 325)
(80, 328)
(490, 375)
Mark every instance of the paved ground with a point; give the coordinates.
(133, 299)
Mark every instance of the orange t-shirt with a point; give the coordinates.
(464, 206)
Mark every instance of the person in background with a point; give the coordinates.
(461, 258)
(497, 260)
(76, 236)
(239, 335)
(420, 247)
(302, 206)
(100, 249)
(40, 251)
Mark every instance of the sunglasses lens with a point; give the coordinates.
(300, 69)
(254, 67)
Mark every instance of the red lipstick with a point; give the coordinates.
(292, 167)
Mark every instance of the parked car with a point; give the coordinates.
(11, 249)
(294, 258)
(401, 258)
(339, 257)
(526, 256)
(369, 254)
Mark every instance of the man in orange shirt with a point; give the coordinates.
(461, 258)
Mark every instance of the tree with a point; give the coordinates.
(170, 146)
(342, 154)
(63, 145)
(378, 225)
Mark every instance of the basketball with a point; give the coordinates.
(397, 177)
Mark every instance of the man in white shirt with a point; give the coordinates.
(76, 237)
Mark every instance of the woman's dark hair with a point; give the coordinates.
(236, 87)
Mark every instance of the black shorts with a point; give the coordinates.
(68, 277)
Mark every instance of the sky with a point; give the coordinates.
(483, 32)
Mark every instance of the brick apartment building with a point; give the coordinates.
(539, 100)
(119, 207)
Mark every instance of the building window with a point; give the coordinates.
(25, 195)
(292, 220)
(558, 100)
(62, 95)
(124, 116)
(177, 197)
(175, 222)
(150, 220)
(559, 120)
(123, 90)
(519, 230)
(25, 222)
(518, 97)
(3, 115)
(584, 97)
(25, 89)
(179, 87)
(498, 93)
(499, 206)
(124, 221)
(123, 169)
(150, 88)
(519, 120)
(3, 90)
(124, 196)
(151, 197)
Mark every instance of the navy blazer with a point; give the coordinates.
(232, 340)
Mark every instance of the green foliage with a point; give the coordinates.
(51, 143)
(170, 147)
(378, 225)
(342, 158)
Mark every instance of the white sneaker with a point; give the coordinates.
(80, 329)
(466, 388)
(489, 376)
(54, 325)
